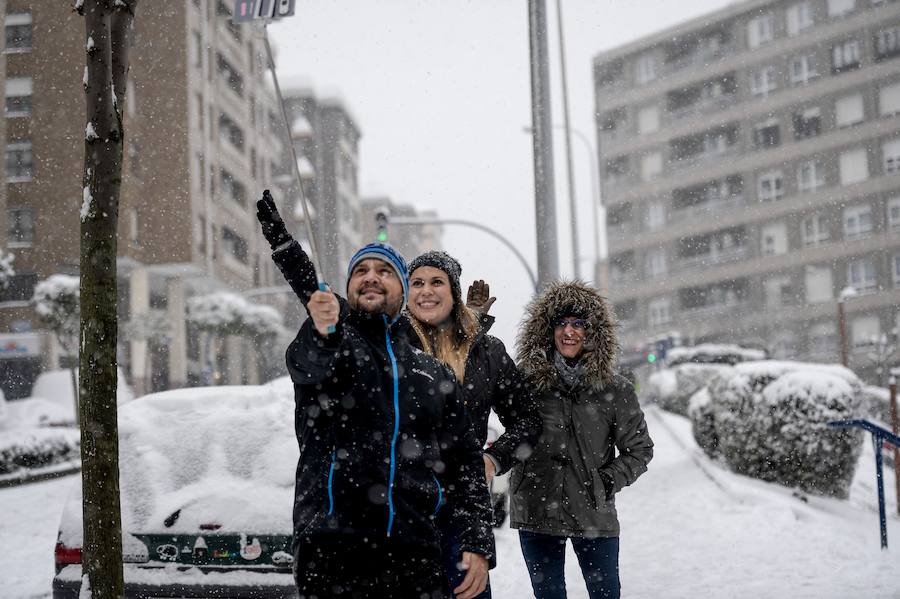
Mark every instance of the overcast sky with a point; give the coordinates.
(441, 92)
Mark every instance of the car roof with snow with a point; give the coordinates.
(222, 456)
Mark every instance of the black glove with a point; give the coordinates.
(273, 228)
(608, 485)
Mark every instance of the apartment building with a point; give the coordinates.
(326, 140)
(750, 165)
(202, 139)
(410, 240)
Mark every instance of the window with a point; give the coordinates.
(18, 32)
(773, 240)
(770, 186)
(849, 110)
(651, 165)
(656, 262)
(854, 166)
(646, 69)
(845, 56)
(889, 99)
(822, 337)
(887, 43)
(799, 18)
(648, 119)
(617, 168)
(19, 162)
(234, 244)
(18, 96)
(861, 275)
(895, 270)
(134, 227)
(807, 123)
(231, 188)
(865, 330)
(230, 75)
(230, 132)
(197, 49)
(837, 8)
(613, 119)
(890, 152)
(803, 69)
(767, 134)
(810, 176)
(656, 215)
(660, 311)
(893, 214)
(779, 291)
(20, 226)
(760, 30)
(134, 159)
(618, 215)
(762, 82)
(858, 222)
(818, 284)
(814, 230)
(20, 288)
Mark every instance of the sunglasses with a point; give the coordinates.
(579, 324)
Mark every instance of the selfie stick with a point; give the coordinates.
(313, 252)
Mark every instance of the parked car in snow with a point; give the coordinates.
(499, 487)
(207, 489)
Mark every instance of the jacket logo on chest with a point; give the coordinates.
(423, 373)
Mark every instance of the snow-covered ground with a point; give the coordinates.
(689, 529)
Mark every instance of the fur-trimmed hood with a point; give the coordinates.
(534, 344)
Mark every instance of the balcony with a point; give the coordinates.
(711, 207)
(713, 258)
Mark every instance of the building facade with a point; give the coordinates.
(326, 140)
(202, 140)
(750, 166)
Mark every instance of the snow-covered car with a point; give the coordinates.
(207, 489)
(499, 486)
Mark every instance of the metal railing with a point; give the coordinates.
(879, 436)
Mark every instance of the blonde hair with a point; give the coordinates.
(451, 344)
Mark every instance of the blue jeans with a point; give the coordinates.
(451, 556)
(545, 556)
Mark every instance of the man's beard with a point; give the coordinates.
(382, 305)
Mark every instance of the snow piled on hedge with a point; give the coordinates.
(713, 353)
(26, 451)
(229, 313)
(769, 420)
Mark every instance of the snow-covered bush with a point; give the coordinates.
(770, 419)
(226, 313)
(713, 353)
(672, 388)
(29, 449)
(703, 423)
(6, 269)
(56, 303)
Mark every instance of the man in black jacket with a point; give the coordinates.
(384, 443)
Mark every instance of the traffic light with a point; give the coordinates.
(382, 216)
(651, 358)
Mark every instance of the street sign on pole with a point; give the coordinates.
(265, 10)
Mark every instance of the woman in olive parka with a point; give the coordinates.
(594, 441)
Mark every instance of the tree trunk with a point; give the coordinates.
(108, 34)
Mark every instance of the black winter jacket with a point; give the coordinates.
(492, 380)
(384, 438)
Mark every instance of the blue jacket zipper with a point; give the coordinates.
(440, 500)
(330, 482)
(390, 350)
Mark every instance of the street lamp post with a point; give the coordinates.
(845, 294)
(595, 184)
(573, 221)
